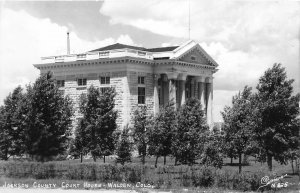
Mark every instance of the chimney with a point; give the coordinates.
(68, 43)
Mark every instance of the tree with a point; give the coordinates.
(79, 146)
(293, 154)
(160, 137)
(124, 148)
(189, 135)
(100, 118)
(239, 121)
(4, 136)
(142, 123)
(46, 119)
(11, 133)
(213, 147)
(277, 109)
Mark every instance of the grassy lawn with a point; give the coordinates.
(278, 170)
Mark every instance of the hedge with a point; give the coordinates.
(160, 177)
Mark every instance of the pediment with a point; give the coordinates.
(194, 56)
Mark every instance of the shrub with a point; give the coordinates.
(160, 177)
(204, 177)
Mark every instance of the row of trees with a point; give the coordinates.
(181, 134)
(37, 123)
(264, 124)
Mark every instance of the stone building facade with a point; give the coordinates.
(139, 75)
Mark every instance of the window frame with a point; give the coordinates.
(106, 80)
(60, 83)
(83, 82)
(141, 97)
(102, 89)
(141, 80)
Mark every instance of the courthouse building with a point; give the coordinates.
(140, 76)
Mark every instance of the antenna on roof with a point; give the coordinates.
(68, 43)
(189, 19)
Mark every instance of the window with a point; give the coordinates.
(141, 95)
(105, 80)
(60, 83)
(193, 58)
(81, 81)
(141, 80)
(62, 92)
(103, 89)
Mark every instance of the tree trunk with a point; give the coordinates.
(245, 160)
(165, 160)
(156, 161)
(6, 154)
(143, 159)
(94, 158)
(175, 161)
(231, 160)
(240, 163)
(269, 161)
(81, 158)
(104, 159)
(292, 163)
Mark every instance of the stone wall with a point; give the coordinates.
(118, 80)
(133, 91)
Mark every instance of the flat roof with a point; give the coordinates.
(122, 46)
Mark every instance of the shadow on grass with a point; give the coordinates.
(235, 164)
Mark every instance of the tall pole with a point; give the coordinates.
(189, 19)
(68, 43)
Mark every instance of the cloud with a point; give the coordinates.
(244, 37)
(24, 39)
(250, 36)
(221, 98)
(125, 39)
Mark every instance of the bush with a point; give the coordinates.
(160, 177)
(238, 181)
(204, 177)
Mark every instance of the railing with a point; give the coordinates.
(98, 55)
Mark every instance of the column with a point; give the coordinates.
(155, 94)
(209, 101)
(172, 77)
(182, 82)
(172, 91)
(200, 81)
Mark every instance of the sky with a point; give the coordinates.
(244, 37)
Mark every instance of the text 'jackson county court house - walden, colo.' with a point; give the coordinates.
(140, 76)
